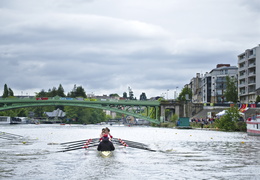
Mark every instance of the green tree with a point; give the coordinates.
(5, 94)
(21, 112)
(77, 92)
(125, 95)
(60, 91)
(229, 121)
(41, 94)
(108, 117)
(131, 95)
(184, 93)
(53, 92)
(113, 95)
(10, 92)
(174, 118)
(257, 99)
(231, 93)
(143, 97)
(85, 115)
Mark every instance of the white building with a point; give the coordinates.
(210, 87)
(218, 81)
(195, 85)
(248, 74)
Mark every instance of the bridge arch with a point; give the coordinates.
(131, 108)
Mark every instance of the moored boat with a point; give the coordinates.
(5, 120)
(253, 126)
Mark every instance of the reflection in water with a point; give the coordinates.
(181, 154)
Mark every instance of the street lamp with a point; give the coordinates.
(176, 94)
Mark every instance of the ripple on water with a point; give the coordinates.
(191, 154)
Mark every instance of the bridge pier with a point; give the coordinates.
(177, 106)
(182, 109)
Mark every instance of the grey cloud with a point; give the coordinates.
(106, 48)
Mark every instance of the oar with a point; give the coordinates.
(90, 141)
(119, 141)
(78, 141)
(82, 144)
(7, 138)
(73, 143)
(132, 142)
(144, 148)
(9, 134)
(77, 148)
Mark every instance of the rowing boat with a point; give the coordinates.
(105, 153)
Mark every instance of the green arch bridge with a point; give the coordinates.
(147, 110)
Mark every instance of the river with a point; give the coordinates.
(182, 154)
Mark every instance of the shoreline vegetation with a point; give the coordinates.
(231, 121)
(239, 126)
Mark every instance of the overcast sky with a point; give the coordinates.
(107, 45)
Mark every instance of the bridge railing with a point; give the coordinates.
(56, 98)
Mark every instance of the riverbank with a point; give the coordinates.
(210, 126)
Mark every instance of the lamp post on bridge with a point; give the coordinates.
(176, 94)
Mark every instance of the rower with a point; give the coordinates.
(105, 144)
(107, 132)
(103, 132)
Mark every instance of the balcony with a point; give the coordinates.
(251, 65)
(251, 92)
(251, 56)
(242, 94)
(241, 76)
(251, 82)
(242, 85)
(251, 74)
(242, 68)
(242, 57)
(221, 81)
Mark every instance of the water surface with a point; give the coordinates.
(181, 154)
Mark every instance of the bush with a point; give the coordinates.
(241, 126)
(164, 124)
(168, 125)
(229, 121)
(174, 118)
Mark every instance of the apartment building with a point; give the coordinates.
(249, 75)
(219, 83)
(210, 87)
(195, 86)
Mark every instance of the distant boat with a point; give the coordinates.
(5, 120)
(18, 120)
(253, 126)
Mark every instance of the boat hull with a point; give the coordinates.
(105, 153)
(253, 127)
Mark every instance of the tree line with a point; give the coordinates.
(73, 114)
